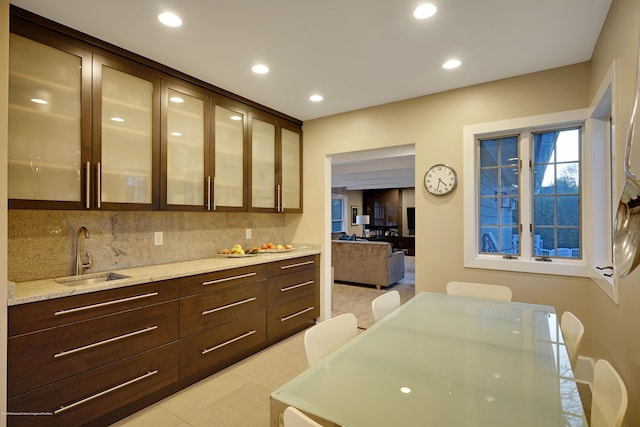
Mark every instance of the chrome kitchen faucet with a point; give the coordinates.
(82, 266)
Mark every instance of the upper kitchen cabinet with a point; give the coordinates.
(126, 138)
(276, 165)
(230, 167)
(49, 122)
(186, 176)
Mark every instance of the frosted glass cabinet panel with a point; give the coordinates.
(229, 158)
(45, 161)
(126, 165)
(185, 138)
(290, 170)
(263, 164)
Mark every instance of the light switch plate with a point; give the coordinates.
(248, 233)
(157, 238)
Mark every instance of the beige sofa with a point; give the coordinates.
(361, 261)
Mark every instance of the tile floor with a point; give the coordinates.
(236, 396)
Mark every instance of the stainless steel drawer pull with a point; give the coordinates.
(229, 342)
(299, 285)
(102, 393)
(224, 307)
(99, 343)
(291, 316)
(300, 264)
(102, 304)
(225, 279)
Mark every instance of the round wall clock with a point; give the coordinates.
(440, 179)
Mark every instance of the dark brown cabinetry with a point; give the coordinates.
(383, 208)
(99, 356)
(192, 154)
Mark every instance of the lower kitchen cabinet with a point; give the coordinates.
(82, 398)
(97, 357)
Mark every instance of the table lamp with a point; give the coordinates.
(362, 220)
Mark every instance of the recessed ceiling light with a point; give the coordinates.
(260, 69)
(170, 19)
(176, 99)
(39, 101)
(316, 98)
(424, 11)
(117, 119)
(236, 118)
(451, 64)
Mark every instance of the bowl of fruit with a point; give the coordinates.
(272, 248)
(237, 251)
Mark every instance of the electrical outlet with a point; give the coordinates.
(248, 233)
(157, 238)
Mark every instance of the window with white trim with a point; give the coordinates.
(338, 213)
(524, 202)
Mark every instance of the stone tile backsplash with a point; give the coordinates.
(41, 243)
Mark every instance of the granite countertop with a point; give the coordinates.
(39, 290)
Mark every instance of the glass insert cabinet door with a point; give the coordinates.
(185, 136)
(46, 94)
(263, 164)
(290, 173)
(125, 169)
(229, 175)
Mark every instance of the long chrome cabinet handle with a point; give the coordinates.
(299, 285)
(102, 304)
(233, 304)
(232, 340)
(279, 192)
(99, 185)
(87, 202)
(215, 204)
(102, 393)
(225, 279)
(291, 316)
(99, 343)
(208, 193)
(300, 264)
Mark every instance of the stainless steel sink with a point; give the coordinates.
(90, 279)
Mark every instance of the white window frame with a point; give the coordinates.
(524, 263)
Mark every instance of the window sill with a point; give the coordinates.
(558, 267)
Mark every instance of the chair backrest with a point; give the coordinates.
(385, 304)
(479, 290)
(572, 331)
(294, 418)
(326, 337)
(608, 396)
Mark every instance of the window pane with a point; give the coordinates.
(499, 191)
(488, 153)
(336, 209)
(556, 187)
(546, 240)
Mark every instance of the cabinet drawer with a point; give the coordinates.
(206, 311)
(293, 316)
(206, 282)
(213, 349)
(277, 268)
(68, 350)
(281, 289)
(82, 398)
(60, 311)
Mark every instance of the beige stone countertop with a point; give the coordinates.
(39, 290)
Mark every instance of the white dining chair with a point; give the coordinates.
(385, 304)
(479, 290)
(294, 418)
(572, 331)
(608, 396)
(327, 336)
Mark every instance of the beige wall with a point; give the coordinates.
(434, 124)
(614, 329)
(4, 98)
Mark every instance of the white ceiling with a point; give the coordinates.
(356, 53)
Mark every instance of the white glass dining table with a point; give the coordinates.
(443, 360)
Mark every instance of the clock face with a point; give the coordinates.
(440, 180)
